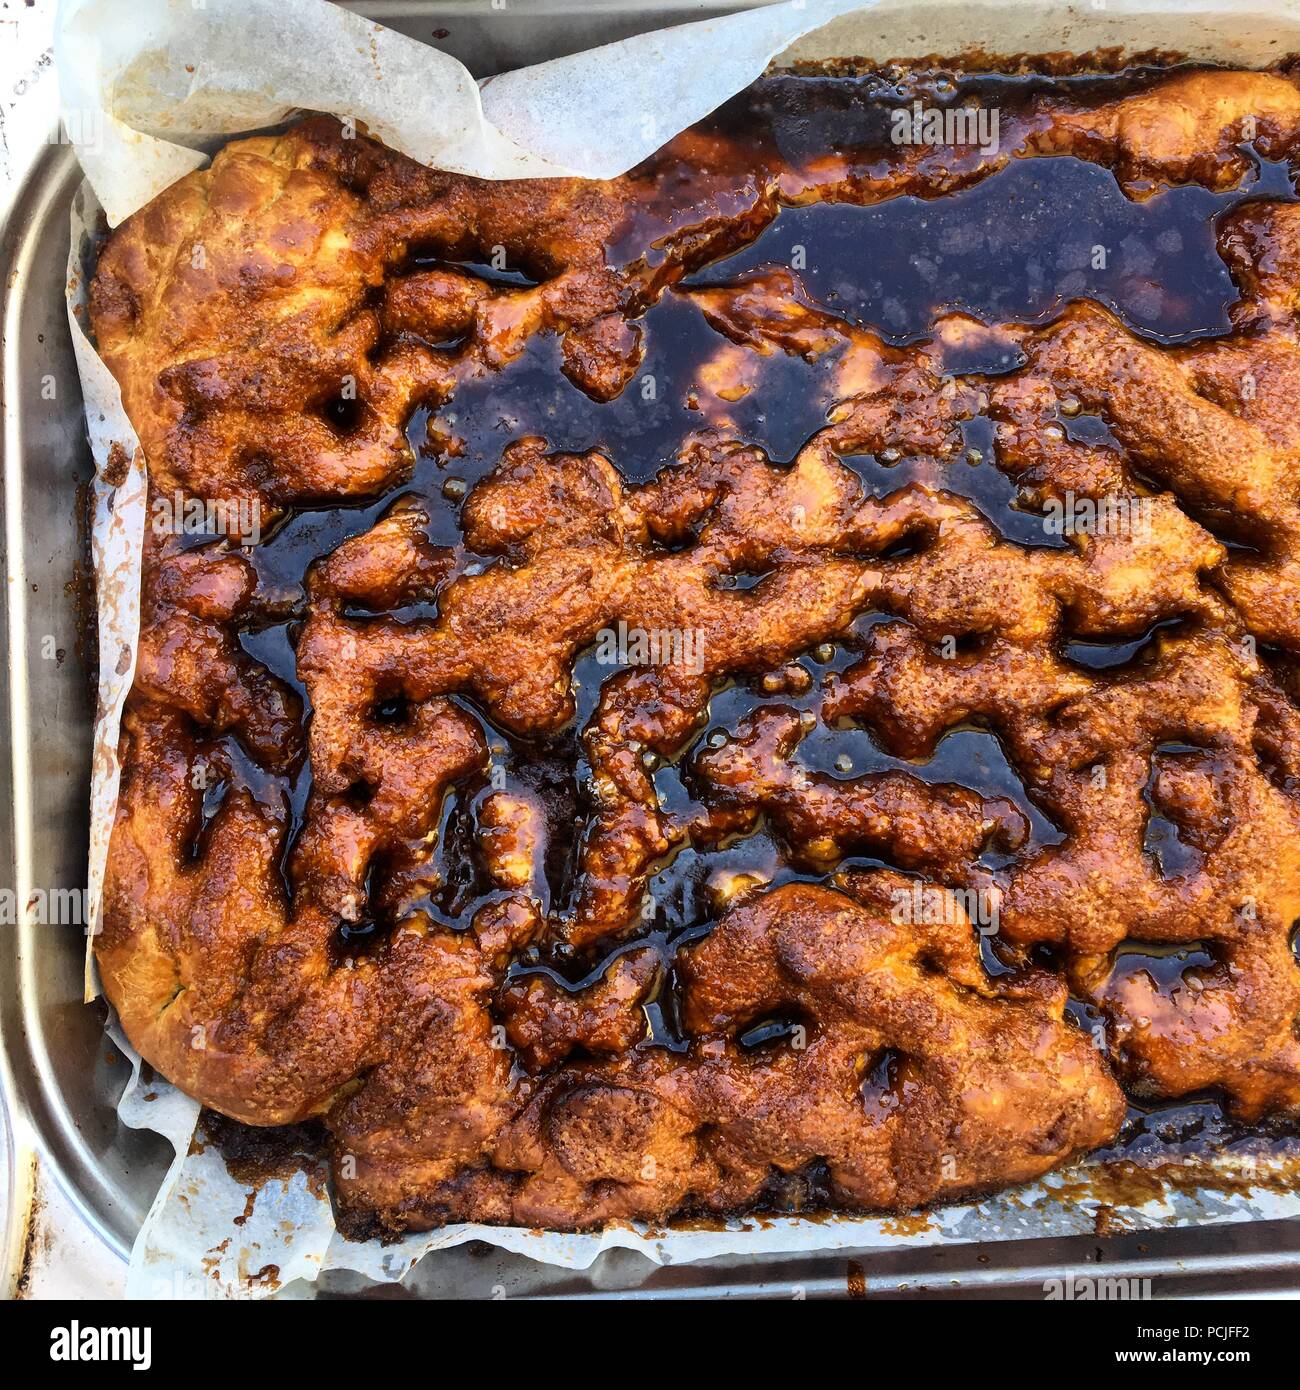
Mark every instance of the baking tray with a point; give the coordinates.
(60, 1074)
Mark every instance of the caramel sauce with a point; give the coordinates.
(1011, 247)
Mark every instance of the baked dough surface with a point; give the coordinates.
(337, 889)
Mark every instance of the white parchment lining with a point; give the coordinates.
(146, 86)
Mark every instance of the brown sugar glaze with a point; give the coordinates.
(523, 897)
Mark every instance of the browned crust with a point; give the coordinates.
(233, 308)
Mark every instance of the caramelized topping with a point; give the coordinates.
(682, 735)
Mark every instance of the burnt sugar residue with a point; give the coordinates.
(256, 1155)
(674, 393)
(974, 475)
(1017, 246)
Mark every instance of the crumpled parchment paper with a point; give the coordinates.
(148, 83)
(147, 88)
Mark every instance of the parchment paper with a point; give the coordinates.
(147, 86)
(116, 543)
(148, 83)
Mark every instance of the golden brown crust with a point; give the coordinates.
(382, 911)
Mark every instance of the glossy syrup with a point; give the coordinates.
(1017, 245)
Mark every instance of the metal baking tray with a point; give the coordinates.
(60, 1076)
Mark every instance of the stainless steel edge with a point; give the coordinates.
(1249, 1259)
(56, 1073)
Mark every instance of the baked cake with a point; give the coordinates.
(683, 738)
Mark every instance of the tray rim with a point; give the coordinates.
(41, 1125)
